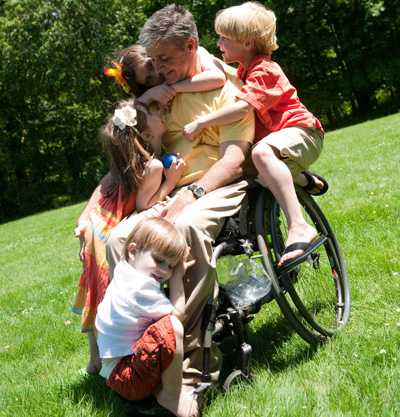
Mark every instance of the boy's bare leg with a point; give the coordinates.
(172, 395)
(275, 175)
(94, 365)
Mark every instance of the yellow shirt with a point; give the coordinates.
(202, 153)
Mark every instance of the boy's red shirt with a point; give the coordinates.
(277, 106)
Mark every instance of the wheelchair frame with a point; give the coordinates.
(260, 228)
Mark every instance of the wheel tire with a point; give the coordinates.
(317, 290)
(261, 217)
(234, 378)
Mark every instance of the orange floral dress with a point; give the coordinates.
(109, 211)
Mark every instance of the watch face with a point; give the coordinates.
(197, 190)
(200, 191)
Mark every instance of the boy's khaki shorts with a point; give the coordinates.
(136, 376)
(298, 147)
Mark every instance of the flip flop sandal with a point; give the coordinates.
(312, 185)
(296, 246)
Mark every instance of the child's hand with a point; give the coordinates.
(192, 130)
(79, 233)
(186, 263)
(163, 94)
(175, 171)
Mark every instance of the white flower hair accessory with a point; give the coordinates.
(125, 116)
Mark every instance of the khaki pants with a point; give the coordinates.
(201, 223)
(298, 147)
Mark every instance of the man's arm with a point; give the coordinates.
(225, 171)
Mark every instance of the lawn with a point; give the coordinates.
(355, 374)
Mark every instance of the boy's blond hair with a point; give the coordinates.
(249, 21)
(158, 236)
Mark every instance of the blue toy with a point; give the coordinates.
(167, 159)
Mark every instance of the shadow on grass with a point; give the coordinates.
(92, 389)
(265, 342)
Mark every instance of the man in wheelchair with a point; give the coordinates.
(211, 190)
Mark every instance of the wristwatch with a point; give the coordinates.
(197, 190)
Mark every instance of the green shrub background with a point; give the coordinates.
(340, 54)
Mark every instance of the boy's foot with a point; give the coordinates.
(146, 408)
(299, 239)
(315, 184)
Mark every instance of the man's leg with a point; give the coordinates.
(201, 223)
(171, 395)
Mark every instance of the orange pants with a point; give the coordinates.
(136, 376)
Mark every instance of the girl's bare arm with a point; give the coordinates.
(153, 189)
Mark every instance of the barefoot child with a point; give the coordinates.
(133, 140)
(289, 137)
(139, 332)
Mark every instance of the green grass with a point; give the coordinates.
(356, 374)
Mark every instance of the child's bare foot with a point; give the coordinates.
(185, 406)
(94, 366)
(299, 237)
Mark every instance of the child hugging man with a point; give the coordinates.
(139, 332)
(288, 136)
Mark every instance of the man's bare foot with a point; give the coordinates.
(94, 366)
(303, 233)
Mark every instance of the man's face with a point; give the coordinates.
(174, 63)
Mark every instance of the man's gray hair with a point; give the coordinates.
(171, 23)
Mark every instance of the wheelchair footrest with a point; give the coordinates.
(253, 291)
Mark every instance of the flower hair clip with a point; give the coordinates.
(116, 73)
(125, 116)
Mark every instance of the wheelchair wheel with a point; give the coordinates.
(317, 288)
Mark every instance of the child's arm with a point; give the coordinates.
(223, 116)
(176, 290)
(212, 75)
(153, 189)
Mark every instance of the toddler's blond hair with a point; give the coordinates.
(249, 21)
(158, 236)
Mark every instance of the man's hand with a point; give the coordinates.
(192, 130)
(173, 209)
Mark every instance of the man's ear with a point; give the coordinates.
(191, 44)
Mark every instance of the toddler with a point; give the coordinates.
(139, 332)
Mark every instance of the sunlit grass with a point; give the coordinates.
(356, 374)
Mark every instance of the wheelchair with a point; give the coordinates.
(312, 291)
